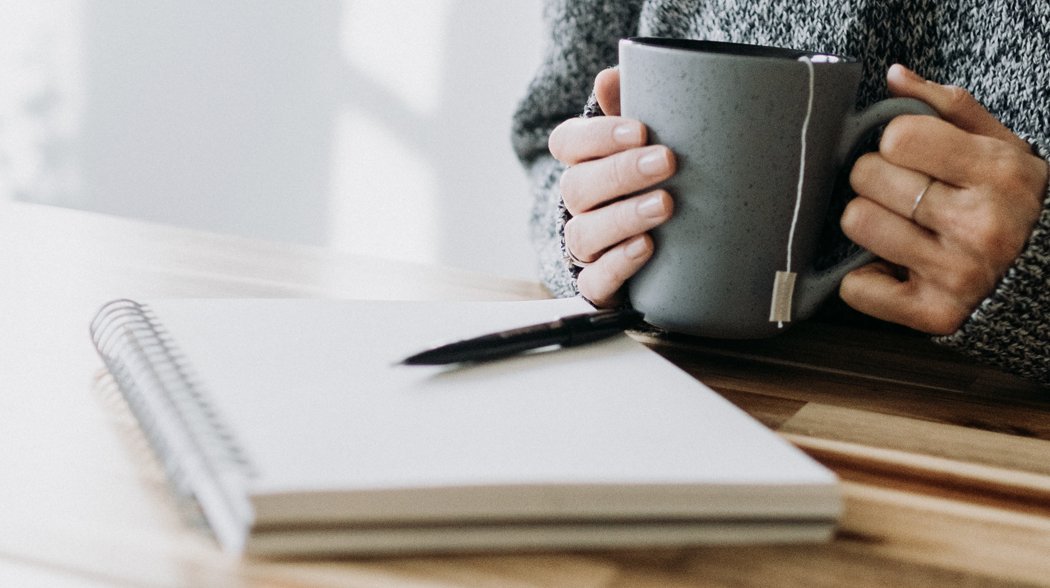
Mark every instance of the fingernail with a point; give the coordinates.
(652, 207)
(628, 134)
(909, 74)
(637, 248)
(654, 163)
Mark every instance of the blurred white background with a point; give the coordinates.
(371, 126)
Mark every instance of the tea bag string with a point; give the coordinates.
(784, 281)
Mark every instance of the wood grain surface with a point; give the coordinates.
(945, 468)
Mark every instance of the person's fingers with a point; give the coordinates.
(889, 235)
(607, 90)
(892, 186)
(940, 149)
(591, 233)
(952, 103)
(981, 190)
(583, 139)
(910, 194)
(986, 197)
(593, 183)
(875, 290)
(602, 281)
(945, 277)
(943, 151)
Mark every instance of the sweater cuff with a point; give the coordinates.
(1011, 328)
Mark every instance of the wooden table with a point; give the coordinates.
(945, 464)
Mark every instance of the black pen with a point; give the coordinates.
(567, 331)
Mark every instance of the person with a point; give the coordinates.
(955, 207)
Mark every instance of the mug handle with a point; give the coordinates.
(812, 286)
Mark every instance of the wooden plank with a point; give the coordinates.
(887, 538)
(1023, 416)
(844, 563)
(952, 442)
(974, 539)
(921, 474)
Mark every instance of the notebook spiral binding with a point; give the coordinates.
(200, 457)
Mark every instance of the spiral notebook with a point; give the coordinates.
(290, 426)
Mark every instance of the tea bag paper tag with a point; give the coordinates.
(784, 282)
(783, 291)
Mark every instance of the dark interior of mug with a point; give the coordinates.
(738, 49)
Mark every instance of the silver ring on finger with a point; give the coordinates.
(576, 261)
(918, 200)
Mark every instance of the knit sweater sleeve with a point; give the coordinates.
(1011, 328)
(583, 37)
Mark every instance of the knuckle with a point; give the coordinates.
(966, 278)
(565, 189)
(856, 218)
(573, 239)
(958, 100)
(1000, 156)
(1005, 166)
(1029, 177)
(990, 233)
(558, 141)
(1013, 178)
(850, 288)
(863, 171)
(896, 138)
(621, 170)
(614, 276)
(597, 285)
(625, 219)
(568, 185)
(554, 143)
(986, 231)
(585, 284)
(620, 268)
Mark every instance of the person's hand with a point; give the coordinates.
(608, 160)
(946, 244)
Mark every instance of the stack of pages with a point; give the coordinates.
(291, 425)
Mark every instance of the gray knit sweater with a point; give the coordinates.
(997, 49)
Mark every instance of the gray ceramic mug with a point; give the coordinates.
(734, 115)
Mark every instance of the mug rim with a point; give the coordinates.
(738, 49)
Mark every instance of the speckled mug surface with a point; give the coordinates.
(734, 115)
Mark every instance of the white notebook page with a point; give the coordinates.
(311, 393)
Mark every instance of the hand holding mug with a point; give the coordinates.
(608, 159)
(947, 203)
(981, 193)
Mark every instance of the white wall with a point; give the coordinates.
(371, 126)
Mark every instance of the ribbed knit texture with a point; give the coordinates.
(997, 49)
